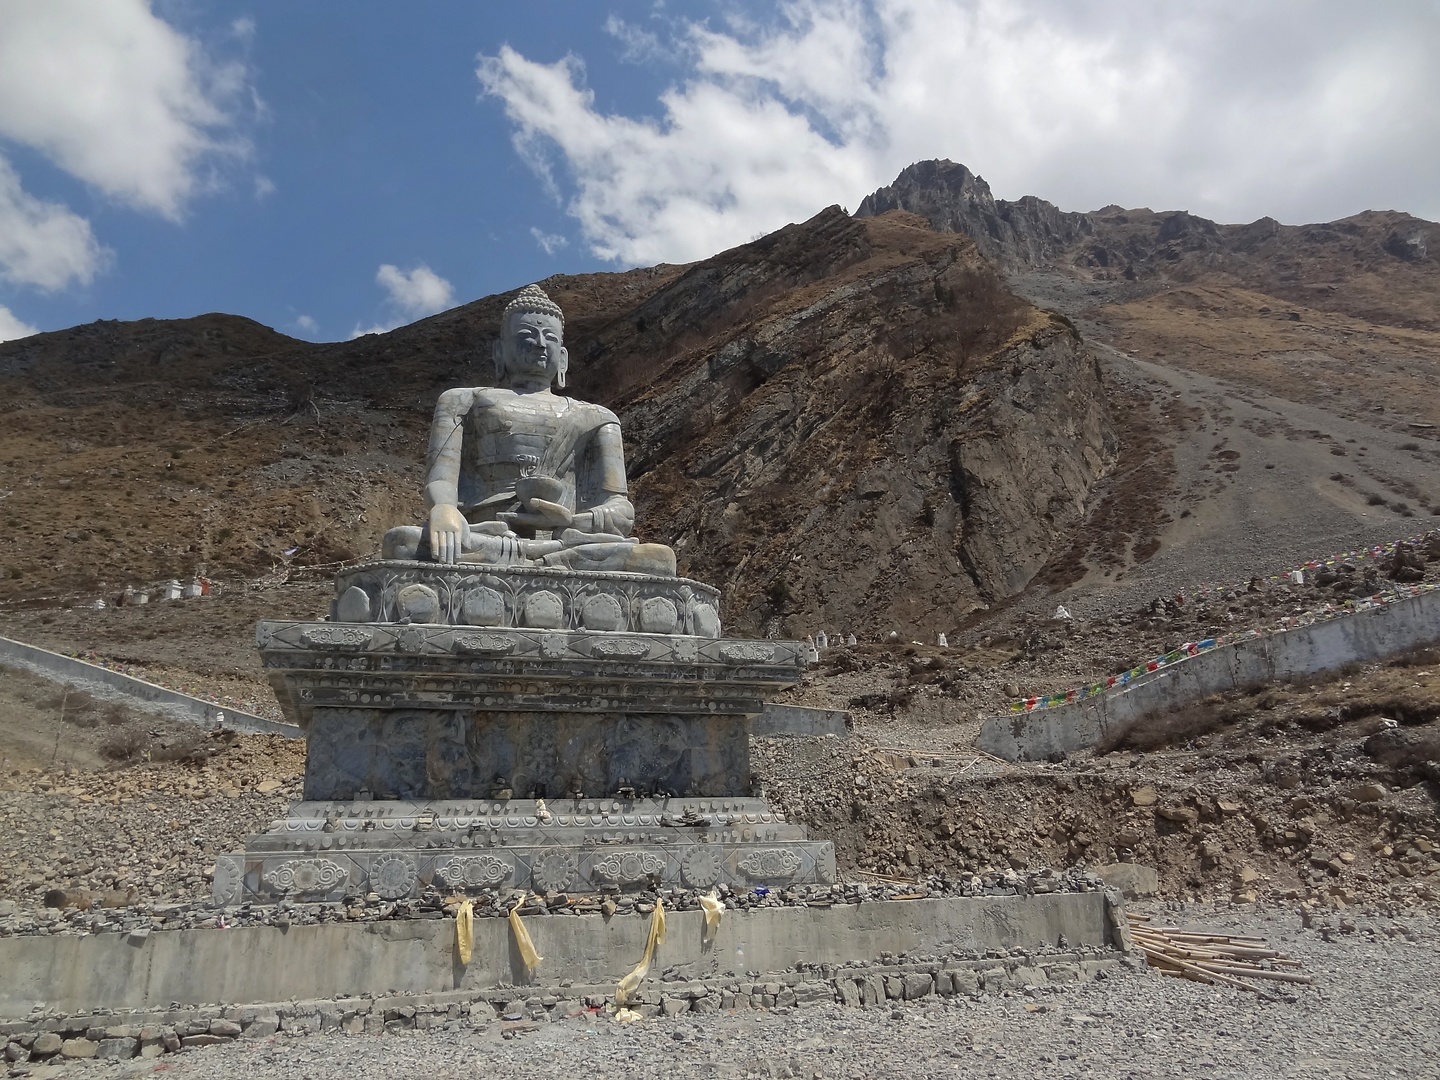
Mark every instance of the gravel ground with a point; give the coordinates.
(1373, 1012)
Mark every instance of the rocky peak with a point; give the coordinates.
(1025, 233)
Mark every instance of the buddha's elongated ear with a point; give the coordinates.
(497, 353)
(562, 368)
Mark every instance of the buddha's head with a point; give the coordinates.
(531, 351)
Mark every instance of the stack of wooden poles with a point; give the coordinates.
(1227, 959)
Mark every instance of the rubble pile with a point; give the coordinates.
(1317, 793)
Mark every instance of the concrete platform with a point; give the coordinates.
(76, 974)
(327, 850)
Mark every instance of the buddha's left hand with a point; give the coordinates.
(540, 514)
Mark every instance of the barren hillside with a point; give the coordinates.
(845, 423)
(1276, 388)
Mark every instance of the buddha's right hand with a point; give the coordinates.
(448, 530)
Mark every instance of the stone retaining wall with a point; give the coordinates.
(113, 686)
(1322, 646)
(152, 1033)
(149, 968)
(800, 720)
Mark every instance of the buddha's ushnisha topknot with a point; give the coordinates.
(532, 300)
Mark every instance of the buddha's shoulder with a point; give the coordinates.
(595, 415)
(484, 399)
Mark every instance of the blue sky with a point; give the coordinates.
(330, 167)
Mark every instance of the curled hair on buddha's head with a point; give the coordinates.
(531, 300)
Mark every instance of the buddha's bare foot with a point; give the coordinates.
(630, 557)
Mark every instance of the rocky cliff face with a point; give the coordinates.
(1276, 387)
(846, 424)
(857, 427)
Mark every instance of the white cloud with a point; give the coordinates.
(549, 242)
(42, 243)
(637, 46)
(307, 324)
(1230, 109)
(119, 99)
(413, 294)
(11, 327)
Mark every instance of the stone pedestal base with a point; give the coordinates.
(432, 738)
(544, 754)
(396, 848)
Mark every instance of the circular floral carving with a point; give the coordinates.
(701, 867)
(554, 871)
(229, 877)
(392, 876)
(825, 864)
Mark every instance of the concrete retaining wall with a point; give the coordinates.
(799, 720)
(266, 963)
(113, 686)
(1324, 646)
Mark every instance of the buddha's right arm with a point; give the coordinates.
(447, 432)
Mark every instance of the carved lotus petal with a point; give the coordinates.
(483, 607)
(659, 616)
(602, 612)
(544, 610)
(419, 603)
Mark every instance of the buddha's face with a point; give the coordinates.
(532, 349)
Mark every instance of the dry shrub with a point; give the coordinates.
(1428, 656)
(126, 745)
(70, 699)
(191, 746)
(1164, 730)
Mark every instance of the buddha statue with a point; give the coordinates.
(521, 476)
